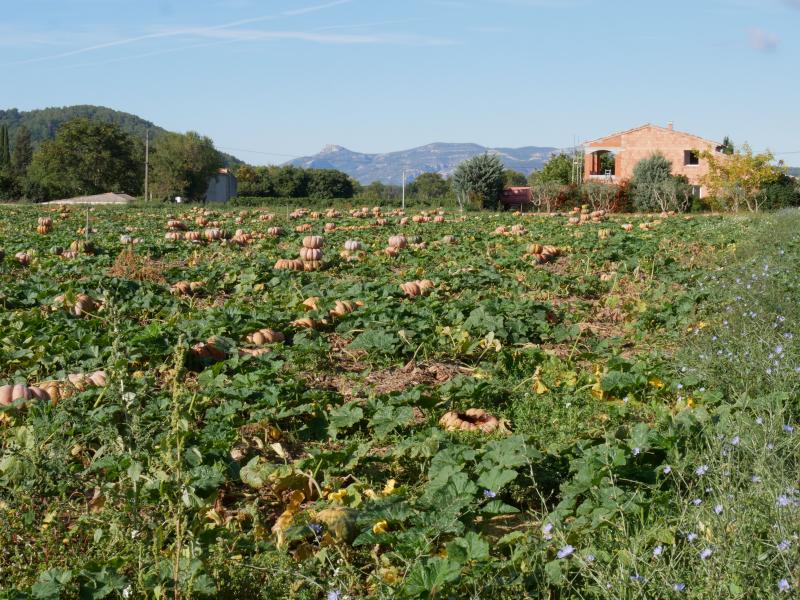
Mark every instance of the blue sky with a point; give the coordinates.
(285, 77)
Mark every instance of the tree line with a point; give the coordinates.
(87, 157)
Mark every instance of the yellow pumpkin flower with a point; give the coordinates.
(389, 488)
(380, 527)
(338, 496)
(656, 383)
(390, 575)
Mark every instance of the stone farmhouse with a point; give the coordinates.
(631, 146)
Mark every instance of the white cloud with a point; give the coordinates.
(763, 41)
(176, 32)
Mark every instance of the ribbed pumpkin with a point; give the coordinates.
(411, 289)
(310, 303)
(42, 229)
(84, 304)
(449, 239)
(305, 227)
(23, 258)
(213, 233)
(312, 241)
(404, 221)
(291, 264)
(56, 390)
(330, 227)
(12, 393)
(173, 235)
(254, 351)
(82, 246)
(192, 236)
(304, 323)
(501, 230)
(344, 307)
(275, 231)
(46, 221)
(627, 227)
(185, 288)
(352, 245)
(534, 248)
(175, 225)
(391, 251)
(67, 254)
(266, 217)
(438, 219)
(424, 284)
(212, 350)
(265, 336)
(472, 419)
(398, 241)
(310, 253)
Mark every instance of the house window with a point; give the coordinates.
(696, 191)
(690, 157)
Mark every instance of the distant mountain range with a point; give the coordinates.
(43, 123)
(433, 158)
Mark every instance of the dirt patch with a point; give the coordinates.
(386, 381)
(129, 265)
(383, 381)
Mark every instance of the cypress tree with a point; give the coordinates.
(23, 152)
(5, 150)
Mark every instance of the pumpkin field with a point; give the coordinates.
(354, 403)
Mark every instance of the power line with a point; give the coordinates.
(259, 152)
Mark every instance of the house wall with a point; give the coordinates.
(642, 143)
(221, 188)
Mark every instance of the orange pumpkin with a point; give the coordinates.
(312, 241)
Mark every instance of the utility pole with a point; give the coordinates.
(146, 163)
(404, 189)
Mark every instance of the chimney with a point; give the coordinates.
(670, 125)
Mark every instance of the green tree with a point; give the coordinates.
(381, 192)
(182, 164)
(740, 178)
(429, 186)
(86, 158)
(479, 180)
(23, 152)
(608, 162)
(512, 178)
(290, 181)
(328, 184)
(649, 174)
(558, 169)
(5, 150)
(727, 146)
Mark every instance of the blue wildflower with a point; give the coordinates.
(565, 551)
(489, 494)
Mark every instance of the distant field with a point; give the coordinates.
(304, 432)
